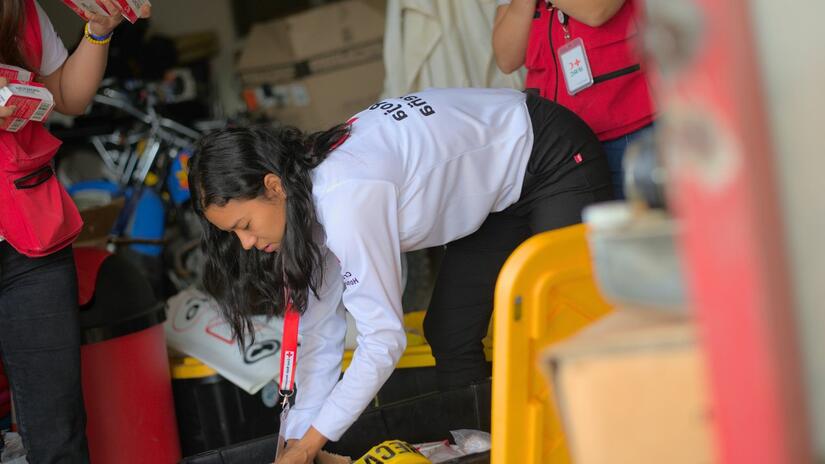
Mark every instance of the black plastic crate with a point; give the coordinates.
(406, 383)
(262, 450)
(213, 413)
(422, 419)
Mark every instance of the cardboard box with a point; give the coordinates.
(631, 389)
(320, 101)
(314, 34)
(34, 102)
(97, 222)
(316, 68)
(13, 73)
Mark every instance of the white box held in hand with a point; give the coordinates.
(92, 6)
(13, 73)
(33, 101)
(131, 8)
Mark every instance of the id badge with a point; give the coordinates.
(279, 450)
(573, 58)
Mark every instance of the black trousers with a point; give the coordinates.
(567, 171)
(40, 347)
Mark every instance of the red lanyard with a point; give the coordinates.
(289, 359)
(289, 349)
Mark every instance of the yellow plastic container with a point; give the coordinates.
(418, 352)
(186, 367)
(545, 293)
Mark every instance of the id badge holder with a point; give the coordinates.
(279, 450)
(573, 59)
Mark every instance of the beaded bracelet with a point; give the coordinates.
(97, 39)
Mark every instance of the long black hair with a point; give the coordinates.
(12, 22)
(230, 164)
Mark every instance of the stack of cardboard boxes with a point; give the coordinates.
(317, 68)
(632, 389)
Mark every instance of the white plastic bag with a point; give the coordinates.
(13, 451)
(471, 441)
(439, 451)
(195, 328)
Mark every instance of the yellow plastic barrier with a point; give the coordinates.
(418, 352)
(545, 292)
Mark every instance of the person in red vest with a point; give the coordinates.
(39, 329)
(580, 53)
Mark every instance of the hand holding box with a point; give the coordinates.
(33, 102)
(130, 8)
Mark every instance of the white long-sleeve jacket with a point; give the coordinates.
(417, 171)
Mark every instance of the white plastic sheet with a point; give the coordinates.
(195, 328)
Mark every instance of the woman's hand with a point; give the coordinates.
(303, 451)
(102, 25)
(295, 454)
(5, 111)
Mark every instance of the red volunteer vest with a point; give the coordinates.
(37, 216)
(619, 100)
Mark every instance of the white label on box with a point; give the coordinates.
(6, 93)
(15, 124)
(42, 111)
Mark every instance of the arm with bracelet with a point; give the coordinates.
(75, 83)
(514, 18)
